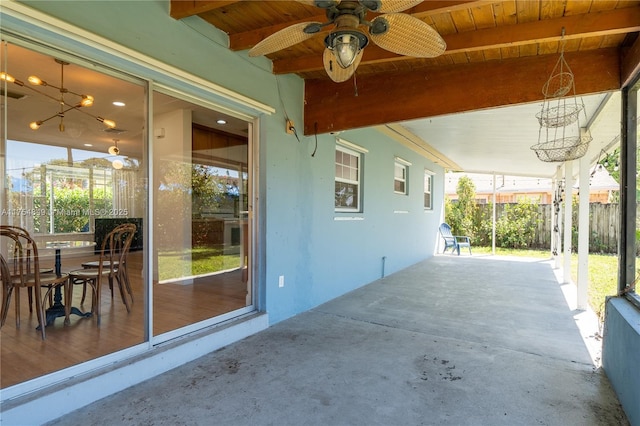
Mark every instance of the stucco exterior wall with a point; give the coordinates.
(320, 258)
(298, 236)
(621, 354)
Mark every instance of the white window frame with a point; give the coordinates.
(428, 190)
(356, 151)
(403, 165)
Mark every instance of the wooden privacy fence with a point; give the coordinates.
(604, 225)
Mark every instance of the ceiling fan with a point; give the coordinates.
(396, 32)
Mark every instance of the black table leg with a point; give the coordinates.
(58, 264)
(57, 310)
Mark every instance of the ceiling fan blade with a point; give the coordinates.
(335, 71)
(406, 35)
(284, 38)
(390, 6)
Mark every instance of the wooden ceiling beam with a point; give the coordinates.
(179, 9)
(617, 21)
(396, 97)
(630, 63)
(248, 39)
(432, 7)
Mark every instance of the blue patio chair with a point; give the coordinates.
(453, 241)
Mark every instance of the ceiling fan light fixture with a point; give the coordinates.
(335, 72)
(346, 44)
(400, 33)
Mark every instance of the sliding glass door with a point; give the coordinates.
(75, 155)
(64, 182)
(201, 211)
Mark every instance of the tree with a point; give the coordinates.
(460, 214)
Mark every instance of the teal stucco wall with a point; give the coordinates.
(621, 354)
(320, 257)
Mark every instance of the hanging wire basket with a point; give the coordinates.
(560, 82)
(563, 149)
(560, 115)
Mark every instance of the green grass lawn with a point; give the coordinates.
(204, 260)
(603, 272)
(603, 269)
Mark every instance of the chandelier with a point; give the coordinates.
(66, 105)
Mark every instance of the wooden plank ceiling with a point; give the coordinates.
(498, 53)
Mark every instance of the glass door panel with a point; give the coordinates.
(63, 186)
(201, 242)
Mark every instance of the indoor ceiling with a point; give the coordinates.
(476, 103)
(27, 103)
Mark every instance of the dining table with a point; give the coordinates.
(58, 308)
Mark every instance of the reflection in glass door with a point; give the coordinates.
(201, 235)
(65, 187)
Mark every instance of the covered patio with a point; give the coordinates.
(440, 339)
(450, 340)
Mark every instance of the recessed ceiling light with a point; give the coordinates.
(88, 144)
(221, 121)
(118, 103)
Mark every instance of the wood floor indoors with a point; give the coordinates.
(24, 355)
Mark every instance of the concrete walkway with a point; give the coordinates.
(449, 341)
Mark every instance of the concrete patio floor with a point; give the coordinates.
(469, 340)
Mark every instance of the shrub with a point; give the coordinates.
(516, 228)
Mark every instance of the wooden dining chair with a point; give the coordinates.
(25, 271)
(112, 266)
(43, 269)
(7, 288)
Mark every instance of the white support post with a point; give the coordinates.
(568, 211)
(583, 235)
(493, 221)
(552, 244)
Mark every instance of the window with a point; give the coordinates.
(400, 179)
(347, 184)
(66, 199)
(428, 202)
(401, 176)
